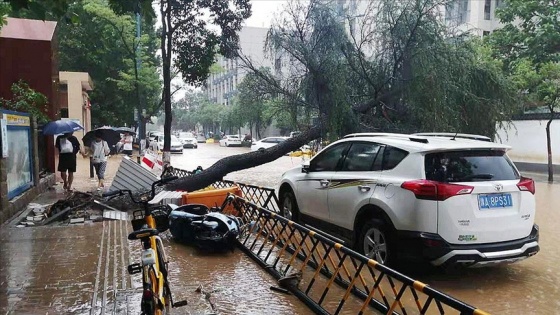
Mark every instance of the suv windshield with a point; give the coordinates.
(469, 166)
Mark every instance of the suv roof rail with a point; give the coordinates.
(385, 134)
(454, 135)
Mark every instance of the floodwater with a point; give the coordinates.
(37, 276)
(531, 286)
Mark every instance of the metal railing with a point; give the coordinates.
(331, 278)
(262, 196)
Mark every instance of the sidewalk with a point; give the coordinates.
(71, 269)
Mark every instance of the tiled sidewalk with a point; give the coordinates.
(74, 269)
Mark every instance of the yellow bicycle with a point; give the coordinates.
(156, 297)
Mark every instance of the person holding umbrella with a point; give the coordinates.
(68, 146)
(99, 149)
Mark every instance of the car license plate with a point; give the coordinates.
(494, 201)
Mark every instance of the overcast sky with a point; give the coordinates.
(263, 12)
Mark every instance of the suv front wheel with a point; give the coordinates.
(375, 242)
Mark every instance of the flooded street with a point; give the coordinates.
(527, 287)
(38, 276)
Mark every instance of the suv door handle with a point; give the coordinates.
(324, 183)
(364, 188)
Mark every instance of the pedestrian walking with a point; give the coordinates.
(127, 144)
(68, 146)
(99, 149)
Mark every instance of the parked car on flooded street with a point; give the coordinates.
(446, 199)
(188, 140)
(230, 140)
(176, 145)
(266, 143)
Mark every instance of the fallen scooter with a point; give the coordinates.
(207, 229)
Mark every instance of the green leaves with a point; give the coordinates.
(532, 30)
(395, 68)
(103, 44)
(201, 29)
(529, 44)
(25, 99)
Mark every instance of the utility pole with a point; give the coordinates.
(138, 62)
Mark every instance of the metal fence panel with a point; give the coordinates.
(327, 276)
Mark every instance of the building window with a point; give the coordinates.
(487, 4)
(457, 12)
(485, 33)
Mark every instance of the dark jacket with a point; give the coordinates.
(72, 139)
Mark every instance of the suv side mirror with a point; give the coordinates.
(305, 167)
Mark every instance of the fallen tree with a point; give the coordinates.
(239, 162)
(398, 70)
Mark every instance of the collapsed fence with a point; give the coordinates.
(327, 276)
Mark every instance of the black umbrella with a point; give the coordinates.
(107, 133)
(125, 129)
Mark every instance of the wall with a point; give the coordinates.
(528, 141)
(75, 82)
(19, 59)
(33, 59)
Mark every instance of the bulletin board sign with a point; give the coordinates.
(18, 139)
(4, 137)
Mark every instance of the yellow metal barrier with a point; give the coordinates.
(331, 278)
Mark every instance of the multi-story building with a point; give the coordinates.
(476, 16)
(222, 84)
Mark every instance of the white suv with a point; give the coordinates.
(444, 198)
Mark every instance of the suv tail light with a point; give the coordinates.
(526, 184)
(431, 190)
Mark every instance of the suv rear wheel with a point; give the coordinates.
(289, 208)
(375, 242)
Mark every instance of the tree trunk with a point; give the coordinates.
(549, 150)
(166, 37)
(238, 162)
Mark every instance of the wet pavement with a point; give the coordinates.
(80, 269)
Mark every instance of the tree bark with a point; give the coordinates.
(238, 162)
(549, 150)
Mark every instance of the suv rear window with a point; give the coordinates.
(469, 166)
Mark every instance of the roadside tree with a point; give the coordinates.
(528, 43)
(397, 69)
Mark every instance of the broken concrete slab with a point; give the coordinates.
(115, 215)
(77, 220)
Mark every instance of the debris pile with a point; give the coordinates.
(78, 207)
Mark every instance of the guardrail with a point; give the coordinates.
(262, 196)
(327, 276)
(331, 278)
